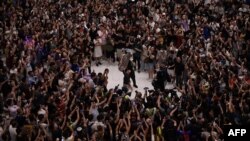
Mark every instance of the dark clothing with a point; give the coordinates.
(137, 55)
(137, 59)
(132, 73)
(126, 78)
(93, 34)
(161, 77)
(109, 49)
(132, 76)
(170, 131)
(130, 66)
(111, 54)
(179, 69)
(119, 40)
(178, 80)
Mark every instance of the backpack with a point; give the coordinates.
(123, 63)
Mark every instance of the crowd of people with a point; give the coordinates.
(50, 93)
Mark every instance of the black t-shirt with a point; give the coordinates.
(161, 76)
(170, 131)
(145, 11)
(57, 134)
(179, 68)
(179, 53)
(128, 44)
(159, 46)
(234, 69)
(2, 78)
(6, 89)
(195, 130)
(51, 109)
(93, 34)
(119, 41)
(20, 120)
(150, 102)
(137, 46)
(247, 36)
(130, 66)
(126, 78)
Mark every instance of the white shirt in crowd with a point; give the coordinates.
(13, 133)
(13, 110)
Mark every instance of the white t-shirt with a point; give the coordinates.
(41, 112)
(13, 110)
(13, 133)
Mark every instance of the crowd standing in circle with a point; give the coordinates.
(49, 92)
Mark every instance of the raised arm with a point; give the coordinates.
(118, 126)
(73, 111)
(230, 105)
(137, 113)
(110, 129)
(68, 92)
(64, 122)
(102, 102)
(217, 127)
(145, 130)
(173, 111)
(117, 116)
(46, 133)
(152, 131)
(110, 97)
(128, 123)
(180, 126)
(77, 118)
(163, 122)
(38, 135)
(73, 102)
